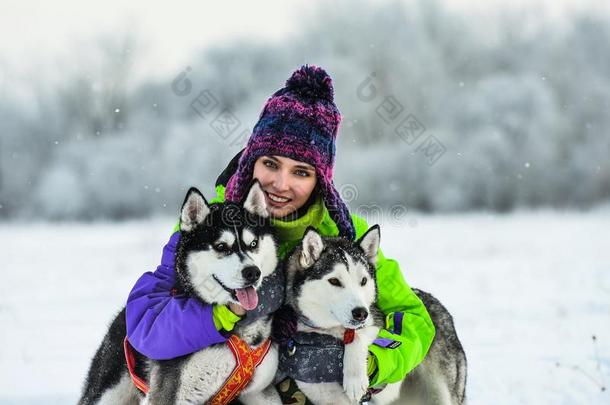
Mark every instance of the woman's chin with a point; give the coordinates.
(277, 213)
(280, 212)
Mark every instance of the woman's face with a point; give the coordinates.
(287, 183)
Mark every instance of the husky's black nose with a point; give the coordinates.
(360, 314)
(251, 274)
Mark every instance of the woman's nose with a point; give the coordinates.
(280, 182)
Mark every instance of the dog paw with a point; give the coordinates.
(355, 377)
(355, 386)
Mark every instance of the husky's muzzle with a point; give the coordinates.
(246, 296)
(359, 315)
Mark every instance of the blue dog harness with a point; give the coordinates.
(313, 358)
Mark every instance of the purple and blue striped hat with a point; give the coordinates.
(299, 121)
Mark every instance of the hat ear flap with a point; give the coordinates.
(337, 210)
(241, 181)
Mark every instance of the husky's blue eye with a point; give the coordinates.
(335, 281)
(254, 243)
(363, 282)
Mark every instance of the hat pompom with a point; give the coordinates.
(312, 82)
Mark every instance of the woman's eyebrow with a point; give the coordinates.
(306, 167)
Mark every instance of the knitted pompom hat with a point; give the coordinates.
(300, 122)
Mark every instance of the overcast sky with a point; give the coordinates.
(34, 32)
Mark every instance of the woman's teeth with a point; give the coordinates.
(277, 199)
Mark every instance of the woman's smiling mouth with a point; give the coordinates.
(276, 200)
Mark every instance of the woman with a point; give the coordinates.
(291, 152)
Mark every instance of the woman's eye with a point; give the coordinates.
(363, 282)
(254, 243)
(335, 281)
(221, 247)
(270, 164)
(302, 173)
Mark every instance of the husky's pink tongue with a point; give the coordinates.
(247, 298)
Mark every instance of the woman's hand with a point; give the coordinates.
(237, 309)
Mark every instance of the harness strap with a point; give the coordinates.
(131, 362)
(247, 361)
(370, 392)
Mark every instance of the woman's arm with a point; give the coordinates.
(408, 325)
(161, 325)
(409, 330)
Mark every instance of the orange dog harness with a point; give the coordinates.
(247, 360)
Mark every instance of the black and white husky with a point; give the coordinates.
(232, 247)
(331, 288)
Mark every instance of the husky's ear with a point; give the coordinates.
(255, 203)
(194, 210)
(312, 247)
(369, 243)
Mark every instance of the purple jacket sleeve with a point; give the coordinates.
(163, 326)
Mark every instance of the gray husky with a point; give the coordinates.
(230, 246)
(331, 289)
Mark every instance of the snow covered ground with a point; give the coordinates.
(528, 291)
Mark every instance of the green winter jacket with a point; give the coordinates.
(407, 320)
